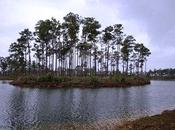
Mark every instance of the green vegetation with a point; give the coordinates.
(162, 74)
(76, 47)
(51, 81)
(165, 121)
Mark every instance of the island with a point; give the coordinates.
(50, 81)
(75, 53)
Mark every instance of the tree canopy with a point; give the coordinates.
(77, 46)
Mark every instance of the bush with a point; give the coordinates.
(62, 79)
(119, 78)
(47, 78)
(94, 80)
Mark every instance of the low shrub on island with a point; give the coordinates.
(52, 81)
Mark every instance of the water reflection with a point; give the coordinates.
(81, 108)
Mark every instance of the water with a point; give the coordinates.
(103, 108)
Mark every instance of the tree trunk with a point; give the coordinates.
(56, 62)
(107, 60)
(29, 57)
(90, 63)
(127, 67)
(95, 59)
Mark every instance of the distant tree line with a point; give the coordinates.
(168, 73)
(77, 46)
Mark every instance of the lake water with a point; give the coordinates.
(103, 108)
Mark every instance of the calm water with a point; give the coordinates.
(24, 108)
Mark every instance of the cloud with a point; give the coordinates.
(157, 20)
(151, 22)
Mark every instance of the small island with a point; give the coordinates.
(75, 53)
(50, 81)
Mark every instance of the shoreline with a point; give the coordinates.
(65, 85)
(163, 79)
(163, 121)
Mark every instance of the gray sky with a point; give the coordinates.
(150, 21)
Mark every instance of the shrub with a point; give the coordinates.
(62, 79)
(94, 80)
(119, 78)
(46, 78)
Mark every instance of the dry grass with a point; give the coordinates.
(165, 121)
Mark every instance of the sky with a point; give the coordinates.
(151, 22)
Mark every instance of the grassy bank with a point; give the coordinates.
(51, 81)
(7, 77)
(164, 121)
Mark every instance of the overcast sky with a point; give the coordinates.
(149, 21)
